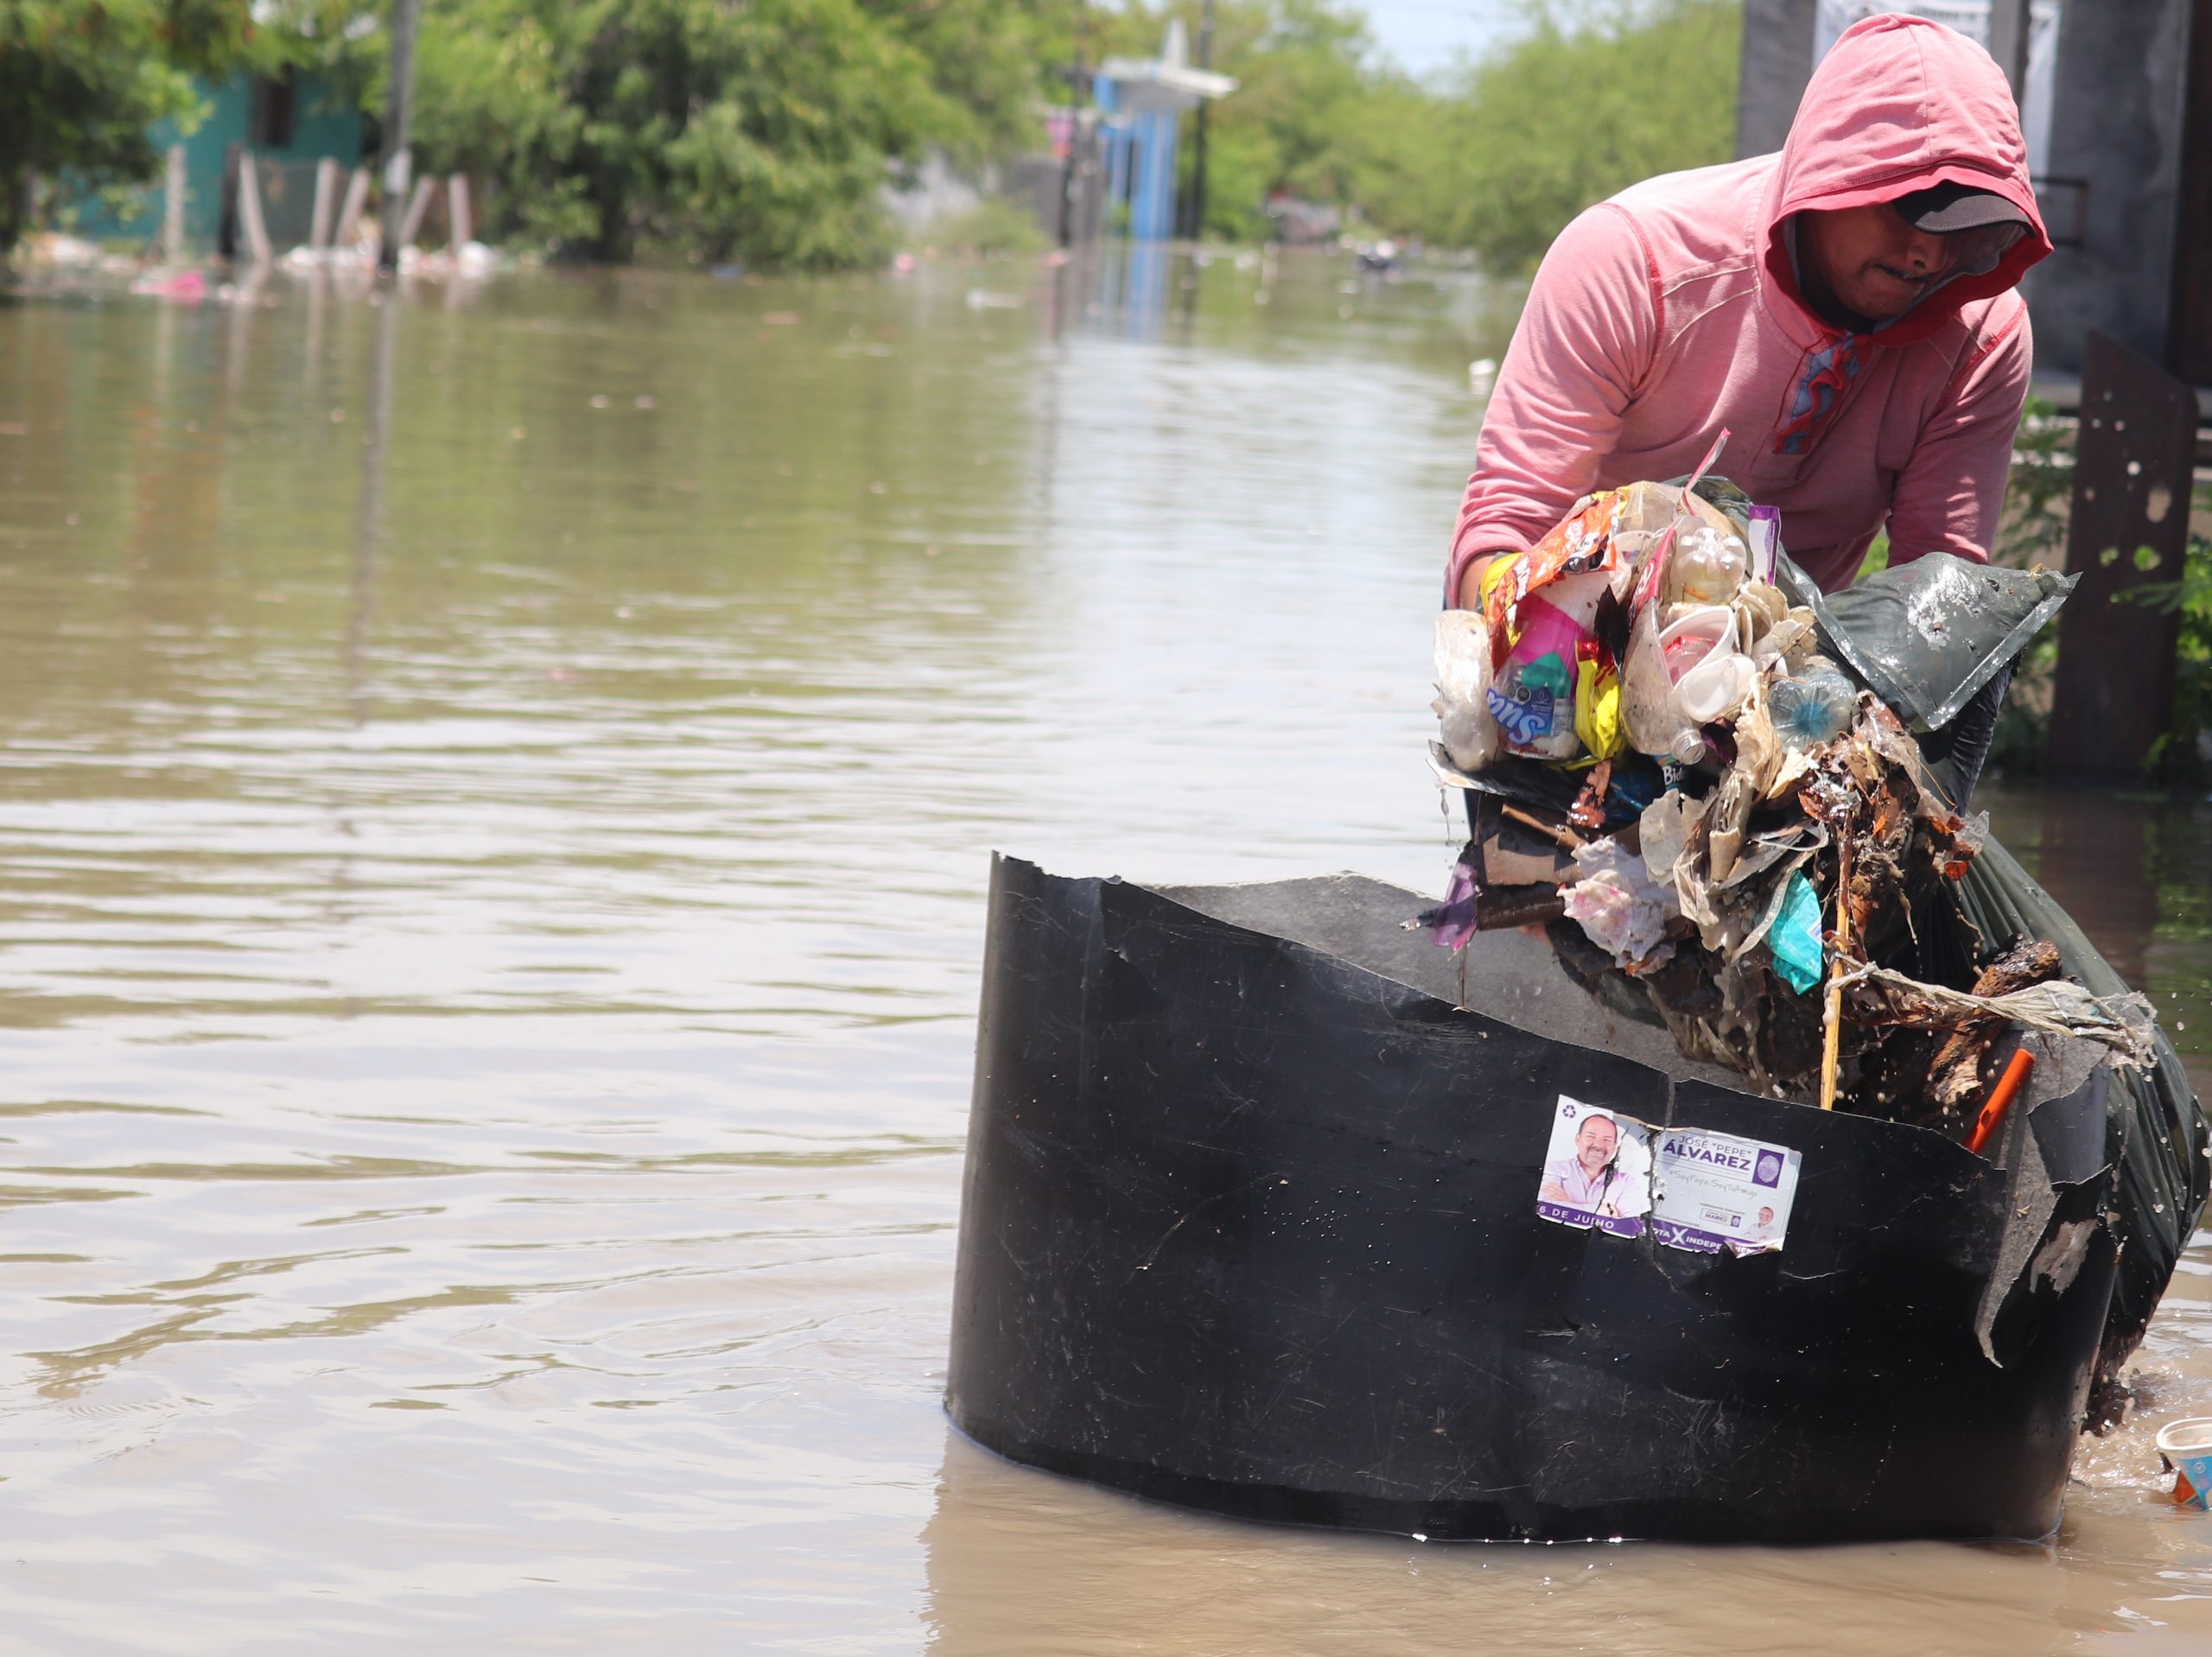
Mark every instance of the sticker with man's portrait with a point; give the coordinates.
(1597, 1169)
(1717, 1192)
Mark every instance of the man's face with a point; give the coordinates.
(1871, 260)
(1594, 1142)
(1766, 1216)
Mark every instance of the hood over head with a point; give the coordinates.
(1900, 103)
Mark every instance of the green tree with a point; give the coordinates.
(83, 82)
(765, 131)
(1593, 98)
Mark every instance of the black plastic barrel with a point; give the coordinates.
(1249, 1225)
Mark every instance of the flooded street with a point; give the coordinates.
(497, 800)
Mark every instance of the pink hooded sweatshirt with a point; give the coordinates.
(1673, 310)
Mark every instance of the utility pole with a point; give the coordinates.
(1199, 139)
(398, 123)
(1078, 84)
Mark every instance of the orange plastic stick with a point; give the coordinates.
(1999, 1097)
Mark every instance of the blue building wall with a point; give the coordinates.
(1141, 146)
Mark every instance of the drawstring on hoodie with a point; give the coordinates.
(1828, 374)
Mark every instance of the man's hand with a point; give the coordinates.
(1471, 581)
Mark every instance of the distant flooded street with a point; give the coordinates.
(496, 794)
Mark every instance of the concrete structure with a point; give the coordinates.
(2117, 109)
(1144, 100)
(2129, 73)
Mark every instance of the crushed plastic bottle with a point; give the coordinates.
(1815, 705)
(1706, 566)
(1469, 735)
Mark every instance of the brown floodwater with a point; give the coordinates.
(496, 789)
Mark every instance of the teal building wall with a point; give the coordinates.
(324, 123)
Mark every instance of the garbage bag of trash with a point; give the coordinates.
(1926, 636)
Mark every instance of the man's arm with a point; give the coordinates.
(1950, 497)
(1584, 344)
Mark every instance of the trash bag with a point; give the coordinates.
(1926, 636)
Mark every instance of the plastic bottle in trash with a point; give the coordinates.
(1706, 566)
(1815, 705)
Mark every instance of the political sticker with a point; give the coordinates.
(1597, 1169)
(1713, 1191)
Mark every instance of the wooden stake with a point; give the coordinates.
(460, 222)
(348, 234)
(250, 223)
(326, 205)
(1565, 840)
(418, 208)
(1832, 1034)
(174, 182)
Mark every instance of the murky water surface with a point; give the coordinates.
(495, 798)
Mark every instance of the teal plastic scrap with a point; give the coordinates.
(1795, 940)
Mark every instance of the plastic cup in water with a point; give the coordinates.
(2186, 1447)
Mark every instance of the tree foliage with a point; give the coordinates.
(1585, 98)
(1591, 99)
(762, 131)
(83, 82)
(765, 130)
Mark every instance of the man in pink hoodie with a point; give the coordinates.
(1846, 309)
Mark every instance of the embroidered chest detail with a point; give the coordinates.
(1827, 375)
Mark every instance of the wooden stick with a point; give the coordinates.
(1831, 1035)
(1557, 834)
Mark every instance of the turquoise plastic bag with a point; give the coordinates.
(1795, 939)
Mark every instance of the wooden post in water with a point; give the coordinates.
(349, 216)
(2129, 528)
(460, 218)
(418, 208)
(326, 205)
(172, 189)
(251, 224)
